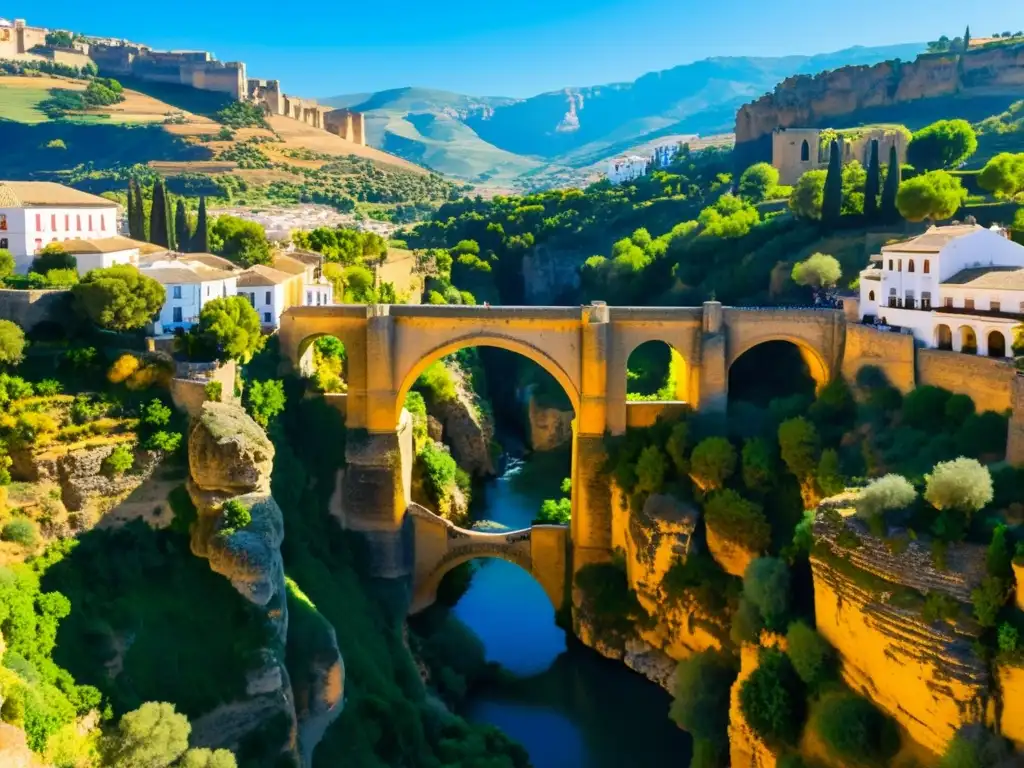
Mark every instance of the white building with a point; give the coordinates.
(266, 289)
(623, 169)
(102, 253)
(35, 213)
(957, 287)
(190, 284)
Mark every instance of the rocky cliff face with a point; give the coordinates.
(550, 273)
(230, 459)
(815, 100)
(746, 748)
(466, 425)
(868, 606)
(550, 428)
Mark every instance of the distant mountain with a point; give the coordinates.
(505, 141)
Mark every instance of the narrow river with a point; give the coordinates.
(568, 706)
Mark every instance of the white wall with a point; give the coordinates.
(317, 294)
(626, 169)
(89, 261)
(29, 229)
(190, 298)
(269, 311)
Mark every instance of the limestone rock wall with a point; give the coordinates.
(925, 675)
(1010, 718)
(746, 749)
(550, 428)
(467, 425)
(813, 100)
(230, 459)
(892, 353)
(987, 381)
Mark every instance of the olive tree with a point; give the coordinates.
(963, 485)
(817, 271)
(757, 182)
(118, 298)
(936, 196)
(943, 144)
(890, 492)
(1003, 175)
(12, 343)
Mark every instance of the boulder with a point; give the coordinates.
(733, 557)
(550, 427)
(228, 451)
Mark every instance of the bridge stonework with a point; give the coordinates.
(585, 349)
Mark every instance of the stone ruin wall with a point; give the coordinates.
(987, 381)
(787, 150)
(345, 123)
(195, 69)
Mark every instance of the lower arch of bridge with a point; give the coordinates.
(677, 374)
(425, 591)
(512, 345)
(816, 365)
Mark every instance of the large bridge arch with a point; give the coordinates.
(407, 378)
(817, 366)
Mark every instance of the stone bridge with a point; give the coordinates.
(584, 348)
(440, 546)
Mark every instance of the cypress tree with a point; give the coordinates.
(172, 238)
(131, 208)
(871, 186)
(201, 237)
(832, 202)
(892, 185)
(181, 232)
(140, 214)
(159, 233)
(967, 38)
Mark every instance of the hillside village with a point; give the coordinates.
(266, 391)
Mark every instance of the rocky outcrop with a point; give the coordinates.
(230, 459)
(14, 751)
(467, 425)
(80, 474)
(550, 427)
(868, 605)
(452, 505)
(1010, 713)
(733, 557)
(746, 748)
(549, 274)
(805, 101)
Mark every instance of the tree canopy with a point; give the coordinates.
(943, 144)
(758, 181)
(12, 343)
(1003, 175)
(229, 329)
(808, 194)
(935, 195)
(244, 242)
(53, 256)
(818, 271)
(118, 298)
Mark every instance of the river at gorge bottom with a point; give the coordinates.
(567, 705)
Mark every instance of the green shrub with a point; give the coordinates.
(1008, 638)
(156, 414)
(119, 461)
(712, 462)
(701, 695)
(976, 747)
(772, 699)
(854, 731)
(608, 604)
(989, 599)
(439, 470)
(811, 655)
(739, 521)
(437, 380)
(650, 470)
(798, 444)
(891, 492)
(925, 407)
(554, 512)
(939, 607)
(234, 515)
(21, 530)
(766, 585)
(758, 467)
(49, 388)
(163, 441)
(213, 391)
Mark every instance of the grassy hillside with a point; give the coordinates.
(548, 136)
(174, 131)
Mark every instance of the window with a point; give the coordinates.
(224, 289)
(993, 306)
(890, 265)
(39, 244)
(968, 303)
(910, 266)
(927, 266)
(908, 300)
(67, 222)
(3, 242)
(90, 222)
(39, 222)
(871, 295)
(53, 222)
(899, 265)
(208, 289)
(266, 317)
(176, 292)
(892, 297)
(103, 223)
(805, 152)
(252, 298)
(926, 300)
(78, 222)
(267, 300)
(176, 315)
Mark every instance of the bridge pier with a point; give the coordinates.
(713, 397)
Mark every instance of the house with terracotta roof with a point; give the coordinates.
(958, 287)
(292, 281)
(36, 213)
(105, 252)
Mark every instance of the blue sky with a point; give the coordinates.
(485, 47)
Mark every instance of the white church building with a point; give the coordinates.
(958, 287)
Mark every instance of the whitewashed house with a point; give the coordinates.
(103, 252)
(958, 287)
(190, 284)
(623, 169)
(36, 213)
(267, 289)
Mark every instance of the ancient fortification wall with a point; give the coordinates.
(987, 381)
(807, 101)
(345, 123)
(196, 69)
(798, 150)
(891, 353)
(30, 308)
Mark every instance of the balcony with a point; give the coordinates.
(924, 305)
(995, 314)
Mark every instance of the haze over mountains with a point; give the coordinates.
(526, 142)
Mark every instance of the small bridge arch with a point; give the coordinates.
(440, 546)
